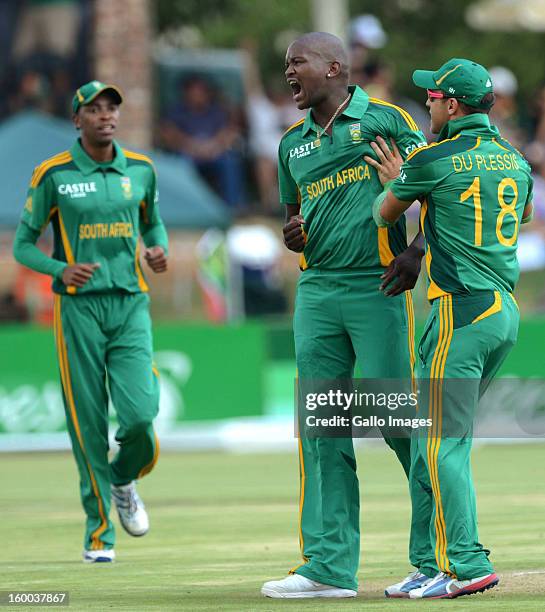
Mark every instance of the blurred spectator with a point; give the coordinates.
(504, 113)
(270, 112)
(42, 82)
(365, 33)
(33, 293)
(201, 129)
(40, 70)
(12, 311)
(47, 26)
(9, 13)
(537, 111)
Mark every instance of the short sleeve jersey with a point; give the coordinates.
(97, 212)
(336, 187)
(474, 186)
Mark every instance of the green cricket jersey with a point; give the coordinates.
(336, 187)
(97, 210)
(474, 186)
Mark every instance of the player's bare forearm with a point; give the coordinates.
(293, 232)
(392, 208)
(404, 269)
(418, 244)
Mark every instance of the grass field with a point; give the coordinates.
(222, 524)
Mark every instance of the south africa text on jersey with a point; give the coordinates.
(118, 229)
(339, 179)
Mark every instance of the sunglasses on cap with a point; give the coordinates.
(438, 95)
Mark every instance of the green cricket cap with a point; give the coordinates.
(458, 78)
(88, 92)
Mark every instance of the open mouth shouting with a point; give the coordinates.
(296, 89)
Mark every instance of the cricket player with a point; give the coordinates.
(100, 199)
(476, 190)
(328, 183)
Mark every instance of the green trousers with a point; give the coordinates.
(341, 317)
(104, 345)
(464, 342)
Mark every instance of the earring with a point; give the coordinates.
(328, 75)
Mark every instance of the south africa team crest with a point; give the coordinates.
(126, 186)
(355, 132)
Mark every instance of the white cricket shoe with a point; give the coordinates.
(446, 587)
(296, 586)
(98, 556)
(131, 509)
(412, 581)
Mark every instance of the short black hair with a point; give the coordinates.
(487, 102)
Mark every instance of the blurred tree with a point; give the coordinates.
(425, 33)
(421, 33)
(227, 23)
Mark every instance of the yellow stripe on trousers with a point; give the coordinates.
(434, 440)
(410, 321)
(147, 469)
(301, 503)
(96, 543)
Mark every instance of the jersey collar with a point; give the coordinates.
(478, 122)
(355, 110)
(87, 165)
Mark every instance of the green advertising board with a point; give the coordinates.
(207, 373)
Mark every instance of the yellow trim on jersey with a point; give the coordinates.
(477, 145)
(49, 217)
(294, 125)
(496, 307)
(446, 327)
(434, 291)
(505, 148)
(71, 289)
(433, 144)
(514, 301)
(147, 469)
(384, 251)
(134, 155)
(144, 212)
(409, 120)
(56, 160)
(141, 282)
(96, 543)
(303, 265)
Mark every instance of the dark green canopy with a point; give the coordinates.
(29, 138)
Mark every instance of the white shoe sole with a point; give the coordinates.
(101, 560)
(134, 534)
(331, 593)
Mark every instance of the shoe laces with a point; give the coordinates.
(129, 498)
